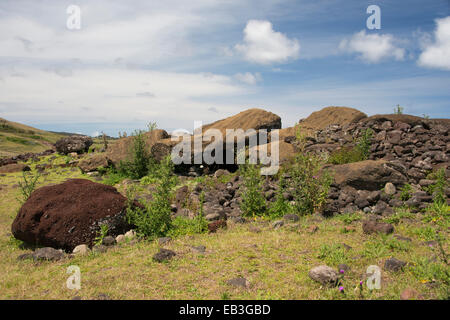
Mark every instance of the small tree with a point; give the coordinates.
(154, 220)
(309, 181)
(28, 185)
(398, 109)
(141, 159)
(253, 201)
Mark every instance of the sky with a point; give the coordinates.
(91, 66)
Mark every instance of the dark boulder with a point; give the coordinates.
(78, 144)
(68, 214)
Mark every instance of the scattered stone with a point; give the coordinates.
(131, 234)
(199, 249)
(390, 189)
(81, 249)
(239, 220)
(346, 246)
(103, 296)
(48, 253)
(212, 216)
(163, 255)
(108, 241)
(402, 238)
(343, 268)
(409, 294)
(25, 256)
(216, 225)
(393, 264)
(14, 167)
(291, 217)
(324, 274)
(163, 241)
(99, 248)
(239, 282)
(278, 224)
(254, 229)
(373, 226)
(120, 238)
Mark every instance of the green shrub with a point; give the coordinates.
(253, 202)
(360, 152)
(102, 233)
(280, 207)
(27, 185)
(438, 188)
(141, 162)
(398, 109)
(154, 220)
(405, 192)
(348, 218)
(345, 155)
(309, 181)
(364, 142)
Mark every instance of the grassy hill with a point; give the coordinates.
(16, 138)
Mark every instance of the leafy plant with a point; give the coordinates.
(153, 219)
(309, 181)
(364, 143)
(348, 218)
(28, 185)
(141, 159)
(253, 202)
(438, 188)
(151, 126)
(185, 226)
(398, 109)
(405, 192)
(102, 233)
(281, 206)
(360, 152)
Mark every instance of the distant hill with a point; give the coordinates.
(17, 138)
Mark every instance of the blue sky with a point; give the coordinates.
(133, 62)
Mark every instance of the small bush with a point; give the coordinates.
(398, 109)
(253, 201)
(154, 220)
(27, 185)
(438, 188)
(280, 207)
(405, 192)
(309, 181)
(141, 162)
(360, 152)
(102, 233)
(348, 218)
(345, 155)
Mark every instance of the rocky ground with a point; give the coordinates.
(368, 220)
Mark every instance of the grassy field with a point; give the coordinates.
(274, 261)
(16, 138)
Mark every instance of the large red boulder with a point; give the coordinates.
(68, 214)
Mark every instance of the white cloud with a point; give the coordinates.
(437, 54)
(263, 45)
(110, 95)
(248, 77)
(373, 47)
